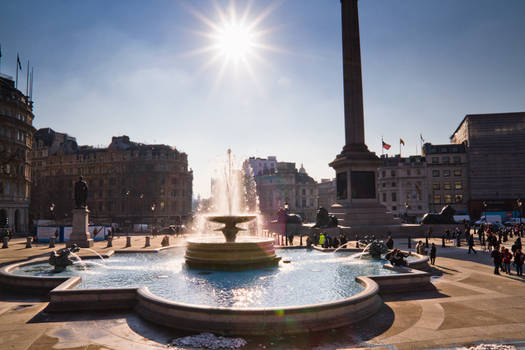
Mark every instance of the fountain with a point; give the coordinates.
(60, 259)
(213, 253)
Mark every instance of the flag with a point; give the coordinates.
(18, 62)
(386, 145)
(421, 137)
(402, 142)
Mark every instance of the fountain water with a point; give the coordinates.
(230, 254)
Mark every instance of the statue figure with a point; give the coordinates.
(60, 258)
(446, 216)
(325, 220)
(81, 193)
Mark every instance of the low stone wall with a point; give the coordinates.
(40, 285)
(261, 321)
(407, 279)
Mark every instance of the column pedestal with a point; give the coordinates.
(80, 234)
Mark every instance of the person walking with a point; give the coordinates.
(471, 243)
(433, 254)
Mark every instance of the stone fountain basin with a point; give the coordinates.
(229, 219)
(222, 320)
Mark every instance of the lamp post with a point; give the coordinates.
(52, 208)
(153, 207)
(520, 204)
(406, 212)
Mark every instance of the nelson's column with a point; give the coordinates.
(356, 167)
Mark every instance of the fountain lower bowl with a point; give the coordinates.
(231, 256)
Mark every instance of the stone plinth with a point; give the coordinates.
(80, 233)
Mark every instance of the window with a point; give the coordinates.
(384, 195)
(448, 198)
(408, 172)
(394, 184)
(303, 202)
(446, 173)
(419, 207)
(418, 171)
(437, 199)
(304, 192)
(384, 173)
(384, 184)
(458, 185)
(394, 196)
(457, 172)
(446, 160)
(392, 173)
(457, 160)
(435, 173)
(394, 208)
(447, 186)
(459, 198)
(435, 160)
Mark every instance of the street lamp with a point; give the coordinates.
(406, 211)
(53, 215)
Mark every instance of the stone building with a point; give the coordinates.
(447, 176)
(263, 166)
(495, 145)
(403, 187)
(16, 137)
(129, 182)
(287, 187)
(326, 190)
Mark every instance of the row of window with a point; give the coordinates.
(19, 116)
(447, 199)
(446, 160)
(419, 207)
(393, 173)
(14, 189)
(458, 185)
(446, 172)
(13, 134)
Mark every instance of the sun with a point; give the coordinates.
(235, 38)
(235, 41)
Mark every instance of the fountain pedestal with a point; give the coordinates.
(80, 233)
(227, 254)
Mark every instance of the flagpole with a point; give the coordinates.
(0, 58)
(31, 89)
(27, 79)
(16, 84)
(382, 148)
(400, 147)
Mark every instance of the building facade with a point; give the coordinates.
(447, 176)
(403, 187)
(287, 187)
(129, 182)
(495, 145)
(327, 192)
(16, 137)
(263, 166)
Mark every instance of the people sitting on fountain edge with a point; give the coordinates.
(397, 257)
(389, 242)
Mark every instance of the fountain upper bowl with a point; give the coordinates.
(228, 219)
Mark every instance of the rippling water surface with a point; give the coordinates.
(311, 277)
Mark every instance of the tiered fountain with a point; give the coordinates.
(230, 254)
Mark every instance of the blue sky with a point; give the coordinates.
(106, 68)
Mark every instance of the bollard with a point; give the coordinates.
(426, 242)
(301, 240)
(443, 242)
(5, 243)
(110, 242)
(409, 242)
(148, 242)
(28, 242)
(51, 242)
(128, 241)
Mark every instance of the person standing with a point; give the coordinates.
(471, 243)
(496, 257)
(519, 258)
(389, 242)
(433, 254)
(507, 258)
